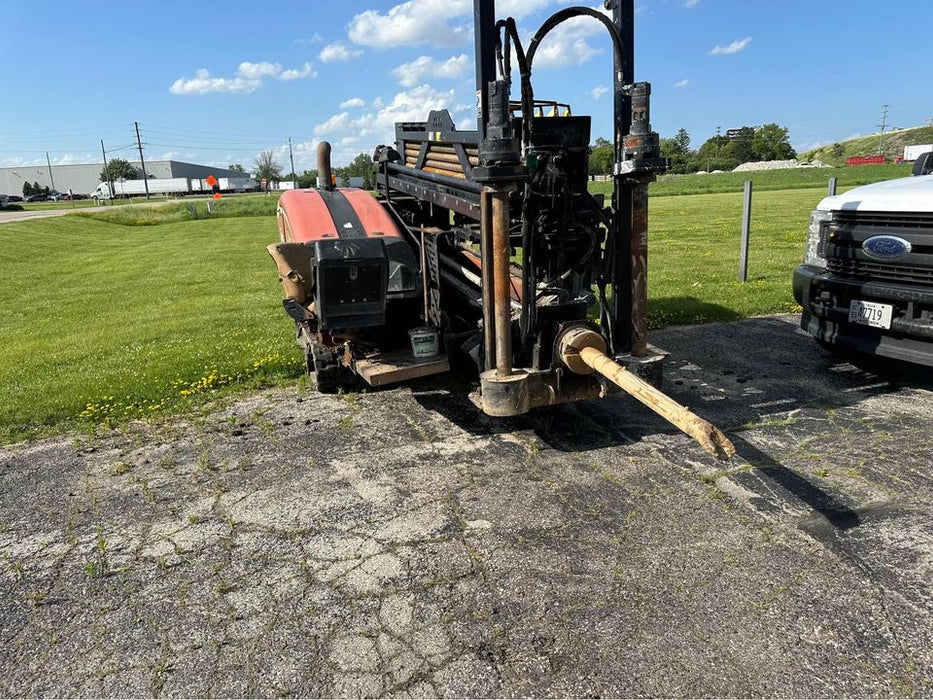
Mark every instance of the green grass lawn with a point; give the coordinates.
(788, 179)
(103, 321)
(693, 255)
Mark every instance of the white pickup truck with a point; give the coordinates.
(866, 282)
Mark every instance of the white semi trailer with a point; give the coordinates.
(138, 188)
(226, 184)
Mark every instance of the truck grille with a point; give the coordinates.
(849, 229)
(885, 220)
(864, 270)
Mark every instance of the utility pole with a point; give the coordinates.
(107, 173)
(139, 145)
(49, 163)
(883, 125)
(291, 157)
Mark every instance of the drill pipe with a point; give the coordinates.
(708, 435)
(501, 280)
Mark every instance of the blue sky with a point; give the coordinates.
(217, 82)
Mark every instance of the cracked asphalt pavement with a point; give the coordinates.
(399, 543)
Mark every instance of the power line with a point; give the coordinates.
(883, 125)
(141, 161)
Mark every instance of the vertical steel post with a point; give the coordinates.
(639, 241)
(623, 15)
(502, 282)
(484, 23)
(746, 231)
(832, 187)
(486, 254)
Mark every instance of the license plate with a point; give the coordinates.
(869, 313)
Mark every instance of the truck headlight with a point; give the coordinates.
(816, 238)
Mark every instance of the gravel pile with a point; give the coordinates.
(779, 165)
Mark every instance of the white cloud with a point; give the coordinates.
(71, 159)
(682, 83)
(351, 136)
(337, 52)
(599, 91)
(296, 73)
(315, 39)
(734, 47)
(352, 103)
(413, 73)
(441, 23)
(257, 71)
(567, 44)
(203, 83)
(249, 78)
(690, 4)
(334, 124)
(410, 23)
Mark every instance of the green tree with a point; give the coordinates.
(683, 140)
(117, 168)
(267, 168)
(362, 166)
(27, 189)
(601, 157)
(771, 142)
(717, 153)
(307, 179)
(237, 168)
(742, 141)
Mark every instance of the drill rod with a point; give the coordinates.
(708, 435)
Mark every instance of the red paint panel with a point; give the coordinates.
(372, 214)
(307, 216)
(515, 282)
(308, 219)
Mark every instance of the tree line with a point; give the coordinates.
(268, 168)
(722, 152)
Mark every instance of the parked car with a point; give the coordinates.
(41, 197)
(14, 198)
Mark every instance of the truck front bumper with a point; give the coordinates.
(825, 301)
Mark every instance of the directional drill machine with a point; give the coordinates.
(485, 245)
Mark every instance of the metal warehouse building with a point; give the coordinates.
(83, 179)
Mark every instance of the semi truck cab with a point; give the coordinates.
(866, 282)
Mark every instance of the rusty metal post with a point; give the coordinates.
(486, 255)
(746, 231)
(639, 270)
(499, 197)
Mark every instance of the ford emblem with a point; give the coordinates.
(885, 247)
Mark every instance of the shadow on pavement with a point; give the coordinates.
(736, 375)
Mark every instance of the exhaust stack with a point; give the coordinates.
(325, 177)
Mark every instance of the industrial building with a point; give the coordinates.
(84, 178)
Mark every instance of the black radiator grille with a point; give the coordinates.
(849, 229)
(884, 219)
(879, 271)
